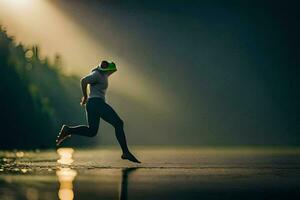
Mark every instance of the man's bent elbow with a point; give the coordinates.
(83, 81)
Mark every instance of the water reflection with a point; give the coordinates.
(124, 182)
(65, 178)
(65, 155)
(65, 174)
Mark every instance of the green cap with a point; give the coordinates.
(111, 67)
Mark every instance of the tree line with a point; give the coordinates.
(36, 96)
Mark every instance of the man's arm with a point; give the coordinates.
(88, 79)
(84, 84)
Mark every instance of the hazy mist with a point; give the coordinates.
(210, 73)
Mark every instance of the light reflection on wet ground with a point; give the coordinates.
(166, 173)
(65, 174)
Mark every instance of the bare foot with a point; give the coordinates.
(62, 135)
(129, 156)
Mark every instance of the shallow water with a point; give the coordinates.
(165, 173)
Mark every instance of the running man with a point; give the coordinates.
(96, 108)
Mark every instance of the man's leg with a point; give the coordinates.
(108, 114)
(93, 119)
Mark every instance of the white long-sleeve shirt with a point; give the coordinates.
(98, 84)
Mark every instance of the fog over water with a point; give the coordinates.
(189, 73)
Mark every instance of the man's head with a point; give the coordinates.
(104, 64)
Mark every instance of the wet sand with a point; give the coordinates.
(166, 173)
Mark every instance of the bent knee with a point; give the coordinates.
(119, 123)
(92, 131)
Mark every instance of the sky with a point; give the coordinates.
(190, 72)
